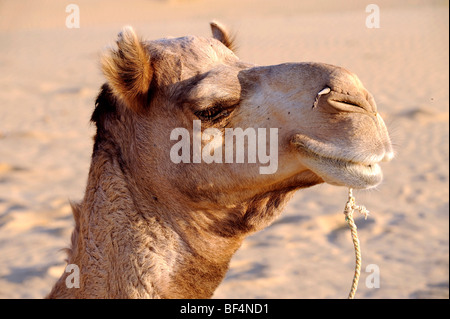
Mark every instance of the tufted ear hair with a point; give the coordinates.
(220, 32)
(128, 69)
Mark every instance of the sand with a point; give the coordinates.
(49, 78)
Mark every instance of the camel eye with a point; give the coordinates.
(213, 113)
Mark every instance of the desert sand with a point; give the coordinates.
(49, 78)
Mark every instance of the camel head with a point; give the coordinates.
(196, 149)
(169, 104)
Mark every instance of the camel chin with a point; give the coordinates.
(345, 173)
(341, 169)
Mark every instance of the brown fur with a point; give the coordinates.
(150, 228)
(128, 69)
(220, 32)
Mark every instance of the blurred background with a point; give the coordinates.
(50, 75)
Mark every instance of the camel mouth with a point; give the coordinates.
(358, 172)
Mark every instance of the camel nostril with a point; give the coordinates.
(350, 103)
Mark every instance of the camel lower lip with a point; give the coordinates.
(342, 172)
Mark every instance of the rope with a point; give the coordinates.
(350, 207)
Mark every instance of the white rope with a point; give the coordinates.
(350, 207)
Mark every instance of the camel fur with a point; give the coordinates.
(151, 228)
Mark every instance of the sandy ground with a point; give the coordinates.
(49, 77)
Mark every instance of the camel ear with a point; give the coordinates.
(220, 32)
(128, 69)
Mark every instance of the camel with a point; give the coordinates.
(149, 227)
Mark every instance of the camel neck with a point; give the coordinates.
(129, 251)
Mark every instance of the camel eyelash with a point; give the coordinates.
(214, 113)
